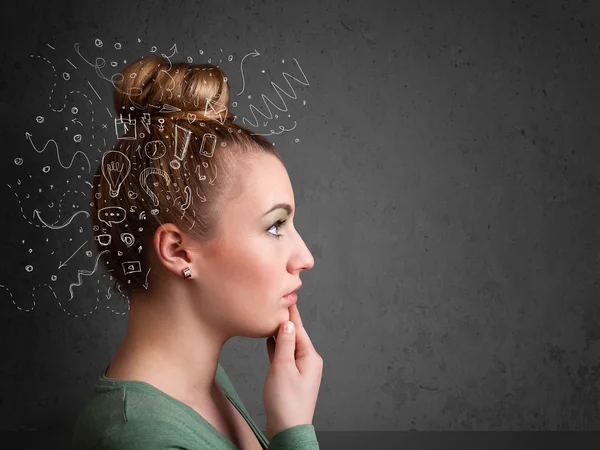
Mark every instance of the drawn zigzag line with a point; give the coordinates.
(86, 273)
(277, 89)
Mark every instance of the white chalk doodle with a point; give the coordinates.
(181, 149)
(146, 121)
(115, 172)
(145, 174)
(86, 273)
(131, 267)
(62, 264)
(278, 90)
(218, 108)
(209, 141)
(127, 239)
(28, 137)
(36, 213)
(103, 239)
(123, 128)
(155, 149)
(253, 54)
(111, 214)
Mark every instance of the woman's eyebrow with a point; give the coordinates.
(288, 208)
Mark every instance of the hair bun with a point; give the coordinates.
(151, 84)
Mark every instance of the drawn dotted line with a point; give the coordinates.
(53, 86)
(91, 103)
(13, 300)
(112, 309)
(59, 303)
(59, 206)
(96, 306)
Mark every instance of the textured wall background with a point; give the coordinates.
(447, 180)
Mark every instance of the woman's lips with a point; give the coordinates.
(291, 298)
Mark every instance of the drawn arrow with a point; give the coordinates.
(254, 54)
(61, 265)
(57, 227)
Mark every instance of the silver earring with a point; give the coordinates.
(187, 273)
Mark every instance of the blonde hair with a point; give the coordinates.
(175, 162)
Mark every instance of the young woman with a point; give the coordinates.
(193, 216)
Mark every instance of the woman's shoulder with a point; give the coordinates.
(134, 414)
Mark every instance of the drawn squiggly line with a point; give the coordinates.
(53, 227)
(145, 174)
(273, 132)
(86, 273)
(101, 62)
(28, 137)
(277, 90)
(59, 206)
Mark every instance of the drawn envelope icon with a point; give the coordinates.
(216, 108)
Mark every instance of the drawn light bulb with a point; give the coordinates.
(115, 168)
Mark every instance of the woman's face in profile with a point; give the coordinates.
(254, 262)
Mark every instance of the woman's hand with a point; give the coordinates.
(294, 378)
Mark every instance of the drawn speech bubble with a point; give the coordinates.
(111, 214)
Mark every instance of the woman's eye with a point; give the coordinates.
(277, 225)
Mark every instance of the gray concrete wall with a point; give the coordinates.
(447, 181)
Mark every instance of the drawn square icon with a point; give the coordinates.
(131, 267)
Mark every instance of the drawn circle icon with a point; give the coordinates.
(74, 110)
(98, 43)
(54, 278)
(155, 149)
(66, 76)
(46, 169)
(77, 138)
(153, 49)
(117, 45)
(201, 52)
(88, 253)
(18, 161)
(127, 239)
(29, 268)
(230, 58)
(39, 119)
(190, 59)
(175, 164)
(113, 63)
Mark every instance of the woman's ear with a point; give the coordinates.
(170, 249)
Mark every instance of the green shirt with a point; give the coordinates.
(131, 414)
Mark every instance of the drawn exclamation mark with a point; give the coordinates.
(186, 135)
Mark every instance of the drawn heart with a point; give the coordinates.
(191, 118)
